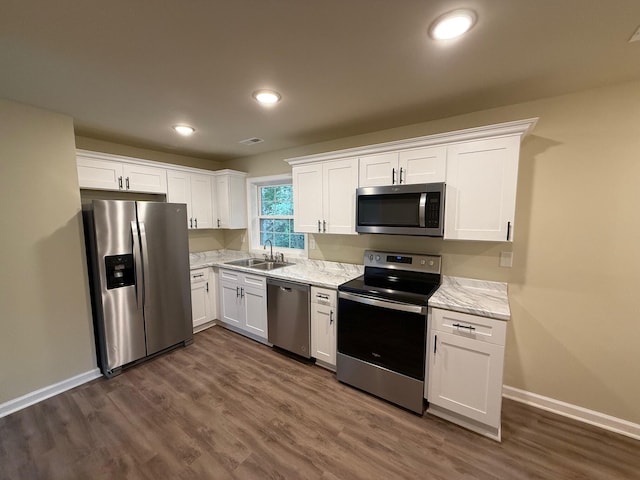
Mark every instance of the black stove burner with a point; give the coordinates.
(396, 285)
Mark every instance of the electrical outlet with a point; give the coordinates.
(312, 243)
(506, 259)
(636, 36)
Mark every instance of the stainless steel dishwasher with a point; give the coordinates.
(288, 316)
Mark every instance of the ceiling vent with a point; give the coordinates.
(251, 141)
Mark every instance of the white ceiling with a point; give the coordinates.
(128, 70)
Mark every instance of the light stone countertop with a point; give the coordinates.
(466, 295)
(314, 272)
(476, 297)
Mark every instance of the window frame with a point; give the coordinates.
(253, 222)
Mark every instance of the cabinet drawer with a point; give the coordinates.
(199, 275)
(255, 280)
(470, 326)
(229, 275)
(323, 296)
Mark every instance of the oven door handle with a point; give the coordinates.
(402, 307)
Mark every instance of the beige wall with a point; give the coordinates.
(575, 329)
(46, 334)
(104, 146)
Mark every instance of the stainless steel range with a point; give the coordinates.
(382, 327)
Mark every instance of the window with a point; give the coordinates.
(276, 216)
(270, 201)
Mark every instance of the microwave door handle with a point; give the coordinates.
(422, 209)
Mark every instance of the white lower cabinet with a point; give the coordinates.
(465, 365)
(203, 298)
(243, 303)
(324, 318)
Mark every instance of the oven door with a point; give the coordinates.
(387, 334)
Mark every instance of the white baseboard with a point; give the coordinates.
(37, 396)
(575, 412)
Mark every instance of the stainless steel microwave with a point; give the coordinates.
(416, 209)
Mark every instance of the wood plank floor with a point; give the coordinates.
(229, 408)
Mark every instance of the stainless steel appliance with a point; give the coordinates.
(401, 209)
(138, 260)
(382, 332)
(288, 317)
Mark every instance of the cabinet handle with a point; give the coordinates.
(393, 176)
(331, 317)
(196, 221)
(458, 326)
(319, 226)
(241, 292)
(322, 296)
(207, 286)
(508, 230)
(127, 183)
(218, 223)
(435, 345)
(237, 292)
(197, 275)
(191, 223)
(120, 183)
(400, 176)
(324, 226)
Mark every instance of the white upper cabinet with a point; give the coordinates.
(479, 167)
(196, 191)
(231, 199)
(418, 165)
(422, 165)
(105, 172)
(378, 170)
(481, 189)
(324, 197)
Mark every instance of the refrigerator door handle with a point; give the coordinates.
(145, 262)
(137, 262)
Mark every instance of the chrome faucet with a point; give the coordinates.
(265, 247)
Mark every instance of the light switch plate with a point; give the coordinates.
(506, 259)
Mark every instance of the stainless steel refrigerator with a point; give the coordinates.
(138, 258)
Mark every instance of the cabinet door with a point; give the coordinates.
(99, 174)
(255, 305)
(423, 165)
(465, 377)
(202, 201)
(307, 198)
(231, 311)
(141, 178)
(378, 170)
(340, 180)
(222, 201)
(323, 333)
(179, 191)
(481, 189)
(200, 299)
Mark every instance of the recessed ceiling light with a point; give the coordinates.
(267, 97)
(452, 24)
(184, 130)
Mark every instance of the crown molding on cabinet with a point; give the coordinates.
(517, 127)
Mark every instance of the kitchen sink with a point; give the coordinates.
(270, 265)
(246, 262)
(258, 263)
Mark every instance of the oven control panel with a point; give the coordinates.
(403, 261)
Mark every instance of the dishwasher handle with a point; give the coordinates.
(287, 285)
